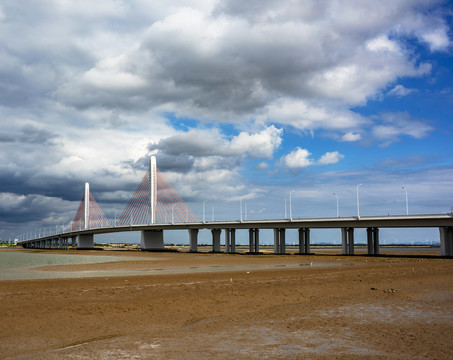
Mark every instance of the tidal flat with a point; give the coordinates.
(223, 306)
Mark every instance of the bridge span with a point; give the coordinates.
(152, 235)
(156, 206)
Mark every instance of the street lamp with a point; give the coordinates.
(338, 209)
(407, 203)
(290, 206)
(358, 205)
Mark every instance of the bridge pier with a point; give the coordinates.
(230, 240)
(216, 240)
(372, 235)
(254, 241)
(152, 240)
(347, 237)
(279, 241)
(193, 240)
(446, 241)
(86, 241)
(304, 241)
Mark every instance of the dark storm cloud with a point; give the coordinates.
(33, 135)
(241, 58)
(195, 144)
(179, 163)
(6, 138)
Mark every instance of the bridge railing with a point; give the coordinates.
(57, 230)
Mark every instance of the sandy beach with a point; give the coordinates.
(219, 306)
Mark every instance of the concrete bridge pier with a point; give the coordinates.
(304, 241)
(254, 241)
(152, 240)
(193, 240)
(372, 235)
(230, 240)
(216, 240)
(279, 241)
(446, 241)
(86, 241)
(347, 238)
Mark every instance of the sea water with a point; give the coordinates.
(22, 264)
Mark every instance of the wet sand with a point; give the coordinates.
(234, 307)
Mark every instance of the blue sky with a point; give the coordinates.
(252, 100)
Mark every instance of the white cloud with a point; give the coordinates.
(306, 115)
(301, 158)
(298, 158)
(210, 142)
(258, 145)
(400, 91)
(437, 39)
(382, 43)
(330, 158)
(350, 136)
(392, 126)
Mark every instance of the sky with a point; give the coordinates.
(266, 101)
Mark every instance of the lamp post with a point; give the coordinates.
(358, 205)
(338, 209)
(407, 202)
(290, 206)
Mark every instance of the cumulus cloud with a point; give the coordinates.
(298, 158)
(232, 64)
(330, 158)
(206, 161)
(307, 115)
(210, 142)
(437, 39)
(301, 158)
(350, 136)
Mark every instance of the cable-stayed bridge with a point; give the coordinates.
(155, 207)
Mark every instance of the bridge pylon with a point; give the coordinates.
(152, 189)
(89, 214)
(155, 201)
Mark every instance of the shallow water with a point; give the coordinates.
(25, 265)
(20, 265)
